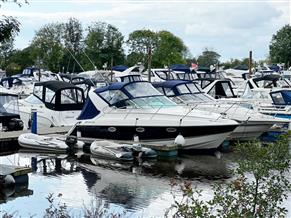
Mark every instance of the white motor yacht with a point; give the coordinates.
(122, 111)
(57, 104)
(252, 123)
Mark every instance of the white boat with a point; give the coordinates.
(110, 150)
(47, 143)
(57, 104)
(122, 110)
(252, 123)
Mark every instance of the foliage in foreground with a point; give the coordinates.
(259, 189)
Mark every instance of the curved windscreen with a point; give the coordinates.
(143, 89)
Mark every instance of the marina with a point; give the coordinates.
(104, 113)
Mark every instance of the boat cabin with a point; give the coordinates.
(181, 91)
(133, 95)
(58, 95)
(217, 88)
(281, 98)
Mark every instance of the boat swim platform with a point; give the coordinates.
(8, 138)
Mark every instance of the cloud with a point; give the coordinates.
(231, 27)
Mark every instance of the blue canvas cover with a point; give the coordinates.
(180, 67)
(89, 111)
(286, 96)
(119, 68)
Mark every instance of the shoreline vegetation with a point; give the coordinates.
(258, 188)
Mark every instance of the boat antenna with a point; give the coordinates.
(75, 59)
(94, 66)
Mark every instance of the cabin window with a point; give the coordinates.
(227, 89)
(71, 96)
(49, 96)
(37, 91)
(169, 92)
(193, 88)
(205, 83)
(141, 89)
(182, 89)
(160, 89)
(278, 98)
(113, 96)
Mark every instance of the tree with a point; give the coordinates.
(142, 43)
(72, 37)
(208, 58)
(170, 49)
(280, 46)
(47, 46)
(9, 26)
(6, 49)
(103, 44)
(260, 186)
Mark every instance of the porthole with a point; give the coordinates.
(140, 129)
(170, 129)
(112, 129)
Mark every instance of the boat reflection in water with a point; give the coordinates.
(135, 186)
(50, 164)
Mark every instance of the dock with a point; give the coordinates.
(13, 170)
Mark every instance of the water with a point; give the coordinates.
(134, 190)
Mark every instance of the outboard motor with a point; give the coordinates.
(71, 141)
(15, 124)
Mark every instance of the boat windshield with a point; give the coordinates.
(164, 74)
(140, 95)
(186, 76)
(9, 102)
(150, 102)
(143, 89)
(188, 88)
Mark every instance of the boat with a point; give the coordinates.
(121, 111)
(48, 143)
(57, 104)
(252, 123)
(110, 150)
(9, 119)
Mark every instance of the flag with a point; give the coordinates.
(194, 66)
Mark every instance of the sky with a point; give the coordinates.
(230, 27)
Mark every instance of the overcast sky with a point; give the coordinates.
(230, 27)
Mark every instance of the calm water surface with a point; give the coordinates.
(138, 190)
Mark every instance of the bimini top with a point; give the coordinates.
(282, 97)
(59, 96)
(180, 67)
(55, 85)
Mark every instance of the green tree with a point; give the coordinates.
(9, 26)
(103, 44)
(260, 186)
(47, 46)
(208, 58)
(19, 59)
(72, 37)
(170, 49)
(142, 43)
(280, 46)
(6, 49)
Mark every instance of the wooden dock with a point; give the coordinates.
(13, 170)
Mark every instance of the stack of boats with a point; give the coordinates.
(201, 108)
